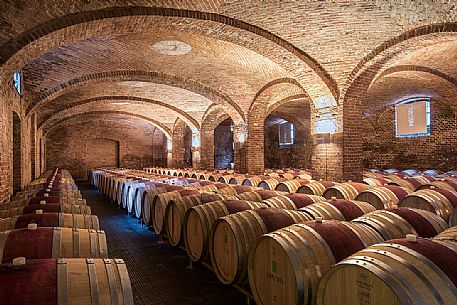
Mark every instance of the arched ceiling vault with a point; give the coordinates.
(147, 106)
(136, 120)
(170, 88)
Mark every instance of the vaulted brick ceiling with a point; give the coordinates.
(89, 56)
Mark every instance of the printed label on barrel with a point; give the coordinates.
(364, 288)
(275, 278)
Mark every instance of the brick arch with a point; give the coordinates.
(193, 124)
(231, 107)
(167, 132)
(30, 39)
(213, 116)
(178, 144)
(263, 95)
(363, 76)
(418, 68)
(271, 96)
(441, 84)
(416, 32)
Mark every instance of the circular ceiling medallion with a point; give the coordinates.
(171, 47)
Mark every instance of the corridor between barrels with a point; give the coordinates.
(158, 272)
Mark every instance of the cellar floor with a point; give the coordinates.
(157, 271)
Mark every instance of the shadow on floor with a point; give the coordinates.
(157, 271)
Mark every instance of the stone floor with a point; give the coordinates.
(157, 271)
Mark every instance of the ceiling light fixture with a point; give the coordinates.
(121, 103)
(171, 47)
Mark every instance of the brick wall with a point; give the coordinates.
(439, 150)
(297, 155)
(81, 146)
(11, 101)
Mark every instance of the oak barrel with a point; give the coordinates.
(347, 190)
(293, 201)
(72, 281)
(316, 187)
(159, 205)
(232, 237)
(439, 201)
(285, 266)
(79, 221)
(199, 220)
(383, 197)
(176, 211)
(338, 209)
(402, 271)
(291, 186)
(52, 243)
(399, 222)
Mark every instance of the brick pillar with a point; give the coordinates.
(255, 147)
(327, 161)
(177, 150)
(207, 149)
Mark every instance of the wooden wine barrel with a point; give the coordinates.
(232, 237)
(57, 208)
(293, 201)
(401, 271)
(131, 193)
(226, 178)
(338, 209)
(383, 197)
(447, 236)
(140, 196)
(176, 211)
(159, 205)
(404, 184)
(439, 201)
(237, 179)
(285, 266)
(52, 243)
(440, 184)
(66, 281)
(214, 177)
(399, 222)
(147, 203)
(291, 186)
(453, 218)
(258, 195)
(254, 180)
(410, 172)
(315, 188)
(347, 190)
(270, 184)
(38, 200)
(200, 218)
(375, 181)
(79, 221)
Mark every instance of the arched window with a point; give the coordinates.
(412, 118)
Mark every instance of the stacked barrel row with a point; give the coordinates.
(284, 244)
(50, 235)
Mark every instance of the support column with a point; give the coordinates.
(207, 149)
(255, 147)
(178, 149)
